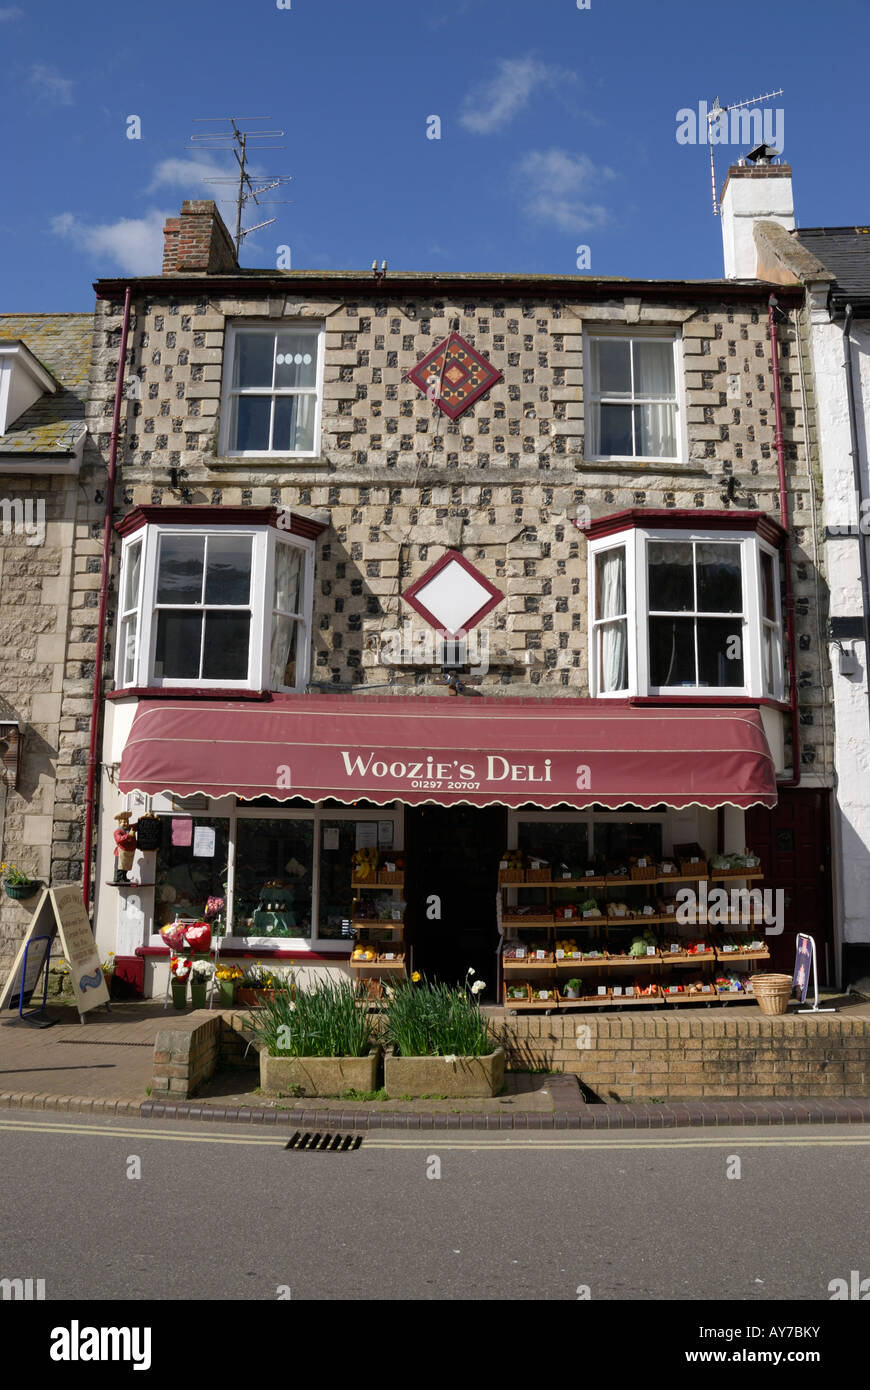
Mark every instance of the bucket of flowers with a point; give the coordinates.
(17, 884)
(227, 977)
(200, 974)
(179, 973)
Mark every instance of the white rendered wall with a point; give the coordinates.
(747, 201)
(851, 714)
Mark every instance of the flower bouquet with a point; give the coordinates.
(200, 974)
(179, 970)
(227, 977)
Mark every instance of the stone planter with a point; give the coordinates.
(318, 1076)
(467, 1077)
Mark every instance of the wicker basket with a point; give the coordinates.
(511, 875)
(395, 877)
(538, 875)
(646, 875)
(772, 992)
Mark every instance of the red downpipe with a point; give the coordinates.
(794, 780)
(93, 761)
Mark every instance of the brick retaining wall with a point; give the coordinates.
(624, 1057)
(186, 1057)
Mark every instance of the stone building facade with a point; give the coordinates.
(395, 483)
(46, 585)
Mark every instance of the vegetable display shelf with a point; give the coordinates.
(386, 963)
(600, 928)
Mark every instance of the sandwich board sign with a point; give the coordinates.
(60, 913)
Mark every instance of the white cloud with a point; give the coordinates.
(134, 244)
(182, 173)
(50, 86)
(493, 104)
(560, 188)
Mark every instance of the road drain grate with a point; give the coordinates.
(323, 1143)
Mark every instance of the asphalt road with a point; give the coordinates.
(233, 1214)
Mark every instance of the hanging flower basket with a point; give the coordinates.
(19, 891)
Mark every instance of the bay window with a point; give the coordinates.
(222, 606)
(632, 397)
(674, 611)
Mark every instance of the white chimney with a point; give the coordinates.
(752, 193)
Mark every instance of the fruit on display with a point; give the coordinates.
(517, 991)
(364, 953)
(512, 859)
(619, 909)
(568, 945)
(591, 907)
(698, 947)
(365, 863)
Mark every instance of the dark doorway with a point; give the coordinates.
(452, 857)
(793, 842)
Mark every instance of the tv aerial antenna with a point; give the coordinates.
(715, 113)
(249, 187)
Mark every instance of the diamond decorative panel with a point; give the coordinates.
(454, 376)
(453, 596)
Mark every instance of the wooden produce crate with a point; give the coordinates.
(647, 874)
(527, 919)
(394, 879)
(595, 1000)
(736, 873)
(511, 875)
(636, 1000)
(695, 997)
(684, 854)
(510, 1001)
(370, 882)
(538, 875)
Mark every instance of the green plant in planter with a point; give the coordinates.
(573, 987)
(432, 1019)
(17, 883)
(324, 1021)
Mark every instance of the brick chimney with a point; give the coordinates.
(752, 193)
(197, 241)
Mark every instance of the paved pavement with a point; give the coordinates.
(216, 1212)
(105, 1066)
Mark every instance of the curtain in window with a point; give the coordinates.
(611, 604)
(654, 376)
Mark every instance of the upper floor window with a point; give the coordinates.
(224, 606)
(272, 389)
(632, 400)
(676, 611)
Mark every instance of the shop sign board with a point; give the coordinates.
(60, 912)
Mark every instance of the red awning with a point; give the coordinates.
(477, 751)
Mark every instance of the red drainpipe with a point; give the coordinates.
(794, 780)
(93, 762)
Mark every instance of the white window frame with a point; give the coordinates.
(635, 540)
(633, 333)
(264, 538)
(233, 333)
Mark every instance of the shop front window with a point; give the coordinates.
(337, 845)
(274, 874)
(191, 868)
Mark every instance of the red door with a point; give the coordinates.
(794, 844)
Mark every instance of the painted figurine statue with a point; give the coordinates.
(125, 842)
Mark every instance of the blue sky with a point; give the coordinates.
(558, 130)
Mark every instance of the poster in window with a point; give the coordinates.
(182, 831)
(385, 833)
(330, 837)
(203, 842)
(366, 834)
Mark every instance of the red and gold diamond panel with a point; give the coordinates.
(454, 376)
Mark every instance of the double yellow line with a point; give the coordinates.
(504, 1142)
